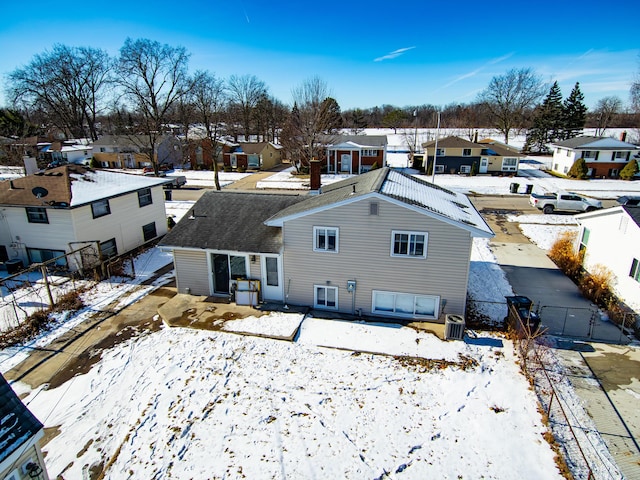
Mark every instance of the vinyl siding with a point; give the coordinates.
(125, 221)
(365, 256)
(191, 271)
(614, 243)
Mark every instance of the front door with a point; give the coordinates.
(345, 163)
(220, 266)
(272, 285)
(484, 165)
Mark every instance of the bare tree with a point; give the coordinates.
(245, 92)
(606, 109)
(509, 96)
(68, 83)
(153, 78)
(208, 97)
(310, 121)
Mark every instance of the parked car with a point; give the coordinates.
(629, 200)
(163, 167)
(565, 201)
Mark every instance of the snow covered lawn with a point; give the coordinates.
(181, 403)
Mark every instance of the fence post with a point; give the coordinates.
(43, 269)
(553, 392)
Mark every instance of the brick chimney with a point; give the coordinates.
(314, 173)
(623, 136)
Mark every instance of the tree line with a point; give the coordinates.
(83, 92)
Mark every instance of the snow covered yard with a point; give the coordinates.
(181, 403)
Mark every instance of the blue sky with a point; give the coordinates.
(369, 53)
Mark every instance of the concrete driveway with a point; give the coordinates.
(563, 309)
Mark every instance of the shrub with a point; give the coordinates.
(564, 255)
(629, 170)
(579, 169)
(596, 285)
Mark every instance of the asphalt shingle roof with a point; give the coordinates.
(597, 143)
(71, 186)
(431, 199)
(232, 221)
(17, 423)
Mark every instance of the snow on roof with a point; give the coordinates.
(446, 203)
(97, 184)
(601, 143)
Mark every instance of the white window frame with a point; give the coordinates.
(100, 208)
(634, 272)
(318, 231)
(410, 241)
(465, 168)
(405, 296)
(369, 152)
(439, 168)
(506, 164)
(326, 288)
(620, 155)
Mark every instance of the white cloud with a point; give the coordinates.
(394, 54)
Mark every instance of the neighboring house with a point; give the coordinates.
(201, 152)
(261, 155)
(48, 214)
(383, 243)
(355, 153)
(457, 155)
(129, 151)
(611, 238)
(59, 153)
(605, 156)
(20, 435)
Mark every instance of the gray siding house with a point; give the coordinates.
(380, 244)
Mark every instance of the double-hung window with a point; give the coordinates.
(409, 244)
(369, 153)
(325, 239)
(37, 215)
(149, 231)
(100, 208)
(144, 197)
(466, 152)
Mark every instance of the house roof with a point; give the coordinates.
(252, 148)
(17, 424)
(502, 149)
(132, 141)
(71, 186)
(633, 212)
(373, 141)
(410, 191)
(232, 221)
(596, 143)
(452, 142)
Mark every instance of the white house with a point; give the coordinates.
(56, 211)
(605, 156)
(611, 238)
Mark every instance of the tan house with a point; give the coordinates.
(261, 155)
(129, 151)
(457, 155)
(381, 244)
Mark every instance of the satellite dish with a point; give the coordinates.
(39, 192)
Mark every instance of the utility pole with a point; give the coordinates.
(435, 152)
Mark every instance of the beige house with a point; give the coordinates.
(53, 212)
(261, 155)
(457, 155)
(382, 244)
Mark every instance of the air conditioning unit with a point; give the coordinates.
(454, 327)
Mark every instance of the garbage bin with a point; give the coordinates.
(519, 315)
(514, 187)
(13, 266)
(529, 189)
(167, 195)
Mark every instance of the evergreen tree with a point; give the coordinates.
(579, 169)
(548, 119)
(629, 170)
(575, 113)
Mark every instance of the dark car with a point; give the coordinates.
(629, 201)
